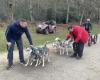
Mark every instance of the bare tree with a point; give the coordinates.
(60, 9)
(68, 9)
(30, 9)
(11, 5)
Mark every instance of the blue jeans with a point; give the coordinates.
(11, 48)
(78, 49)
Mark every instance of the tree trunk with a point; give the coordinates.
(38, 8)
(68, 9)
(30, 10)
(11, 5)
(81, 19)
(55, 9)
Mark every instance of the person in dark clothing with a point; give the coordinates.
(13, 35)
(88, 26)
(80, 36)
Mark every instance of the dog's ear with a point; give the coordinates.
(27, 49)
(46, 42)
(56, 39)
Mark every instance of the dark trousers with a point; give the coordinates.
(78, 49)
(11, 48)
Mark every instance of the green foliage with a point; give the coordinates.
(51, 9)
(2, 39)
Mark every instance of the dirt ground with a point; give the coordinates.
(60, 67)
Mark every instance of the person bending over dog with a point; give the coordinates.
(80, 36)
(13, 35)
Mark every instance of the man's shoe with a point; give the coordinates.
(23, 63)
(72, 56)
(9, 66)
(78, 58)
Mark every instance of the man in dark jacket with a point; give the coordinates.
(13, 35)
(88, 26)
(80, 36)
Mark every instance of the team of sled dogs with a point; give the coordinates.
(39, 55)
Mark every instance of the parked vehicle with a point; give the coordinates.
(46, 27)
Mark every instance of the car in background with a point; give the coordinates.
(46, 27)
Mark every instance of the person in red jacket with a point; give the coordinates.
(80, 36)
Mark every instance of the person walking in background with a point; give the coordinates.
(13, 35)
(80, 36)
(87, 25)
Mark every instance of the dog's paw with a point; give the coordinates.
(26, 65)
(48, 60)
(67, 54)
(31, 64)
(35, 65)
(60, 53)
(42, 65)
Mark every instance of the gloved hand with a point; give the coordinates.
(75, 43)
(8, 44)
(31, 46)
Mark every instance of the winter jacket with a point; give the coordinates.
(14, 32)
(87, 26)
(79, 34)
